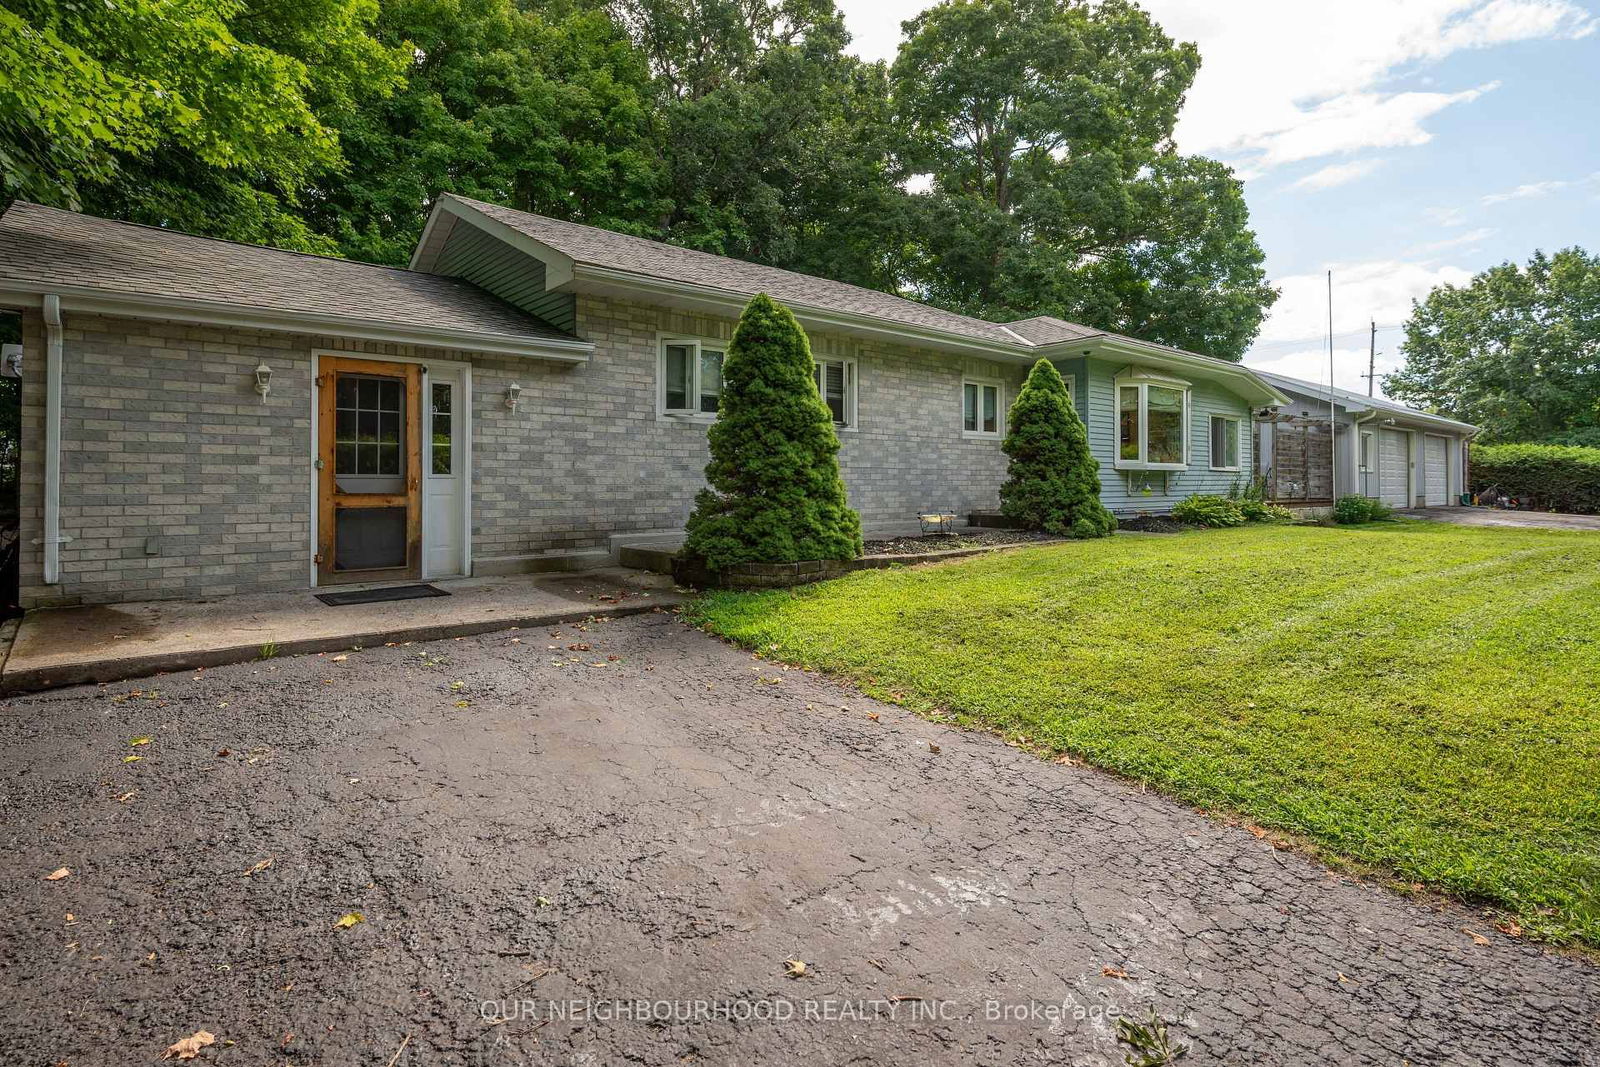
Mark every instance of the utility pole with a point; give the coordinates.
(1372, 359)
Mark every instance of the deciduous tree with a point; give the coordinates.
(1046, 127)
(1515, 351)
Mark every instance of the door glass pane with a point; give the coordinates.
(710, 380)
(991, 409)
(1128, 421)
(369, 432)
(1164, 410)
(441, 429)
(969, 407)
(679, 372)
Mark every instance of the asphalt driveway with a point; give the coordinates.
(1539, 520)
(606, 851)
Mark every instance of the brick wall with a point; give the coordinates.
(178, 482)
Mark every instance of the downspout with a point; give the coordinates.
(52, 439)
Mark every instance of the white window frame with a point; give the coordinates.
(850, 390)
(1143, 380)
(1238, 441)
(1367, 452)
(694, 414)
(999, 388)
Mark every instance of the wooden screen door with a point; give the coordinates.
(369, 500)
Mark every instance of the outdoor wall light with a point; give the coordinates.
(263, 380)
(513, 391)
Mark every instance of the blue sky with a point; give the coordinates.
(1401, 143)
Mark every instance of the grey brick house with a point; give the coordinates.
(204, 418)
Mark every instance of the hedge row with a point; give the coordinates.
(1550, 477)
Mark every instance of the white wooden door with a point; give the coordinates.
(1394, 468)
(444, 461)
(1435, 471)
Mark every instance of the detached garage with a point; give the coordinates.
(1381, 449)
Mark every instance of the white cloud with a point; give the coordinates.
(1288, 80)
(1355, 121)
(1461, 240)
(1283, 81)
(1446, 216)
(1294, 339)
(1338, 174)
(1381, 291)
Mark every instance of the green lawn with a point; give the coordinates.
(1417, 696)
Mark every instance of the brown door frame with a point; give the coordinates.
(330, 500)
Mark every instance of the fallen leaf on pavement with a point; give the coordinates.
(1509, 927)
(340, 659)
(795, 968)
(349, 919)
(1113, 972)
(57, 874)
(129, 795)
(131, 759)
(258, 868)
(139, 741)
(1477, 938)
(933, 748)
(188, 1048)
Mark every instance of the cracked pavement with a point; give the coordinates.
(524, 839)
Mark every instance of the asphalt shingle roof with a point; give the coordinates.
(1047, 329)
(42, 246)
(638, 255)
(1351, 399)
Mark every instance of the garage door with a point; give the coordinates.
(1435, 468)
(1394, 447)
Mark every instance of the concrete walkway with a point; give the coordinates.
(102, 643)
(1544, 520)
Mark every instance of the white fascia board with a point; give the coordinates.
(138, 306)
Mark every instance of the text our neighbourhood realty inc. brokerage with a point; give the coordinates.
(785, 1009)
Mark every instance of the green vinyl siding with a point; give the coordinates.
(512, 275)
(1130, 492)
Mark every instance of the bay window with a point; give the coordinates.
(1152, 422)
(1224, 443)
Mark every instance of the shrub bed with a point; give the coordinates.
(1551, 477)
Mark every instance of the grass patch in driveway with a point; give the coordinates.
(1418, 696)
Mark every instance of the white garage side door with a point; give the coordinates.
(1435, 468)
(1394, 487)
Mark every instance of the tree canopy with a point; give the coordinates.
(1046, 129)
(1036, 133)
(1515, 351)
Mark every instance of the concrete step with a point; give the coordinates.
(647, 558)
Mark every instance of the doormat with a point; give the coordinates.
(380, 596)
